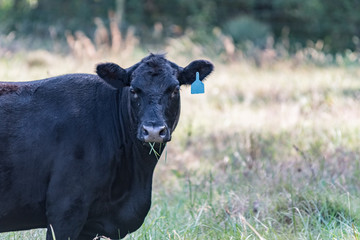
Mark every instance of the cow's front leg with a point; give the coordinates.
(66, 215)
(66, 219)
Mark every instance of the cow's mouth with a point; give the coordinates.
(156, 149)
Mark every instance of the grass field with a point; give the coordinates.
(266, 153)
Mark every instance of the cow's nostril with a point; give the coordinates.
(162, 132)
(145, 132)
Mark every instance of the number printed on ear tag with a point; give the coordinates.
(197, 87)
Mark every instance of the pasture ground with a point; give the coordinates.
(265, 153)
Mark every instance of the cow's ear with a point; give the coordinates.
(113, 74)
(188, 74)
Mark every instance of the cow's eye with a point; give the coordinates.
(175, 92)
(133, 92)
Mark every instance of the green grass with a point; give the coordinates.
(268, 153)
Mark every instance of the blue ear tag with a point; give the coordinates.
(197, 87)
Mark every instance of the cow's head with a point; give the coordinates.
(153, 86)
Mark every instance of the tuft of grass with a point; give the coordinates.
(158, 152)
(52, 232)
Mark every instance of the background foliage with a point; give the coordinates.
(334, 22)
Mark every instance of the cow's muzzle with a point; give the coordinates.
(157, 134)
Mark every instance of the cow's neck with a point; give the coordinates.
(131, 188)
(137, 161)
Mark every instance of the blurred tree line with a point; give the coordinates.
(336, 23)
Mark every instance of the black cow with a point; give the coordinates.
(74, 149)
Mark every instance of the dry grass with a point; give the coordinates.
(266, 152)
